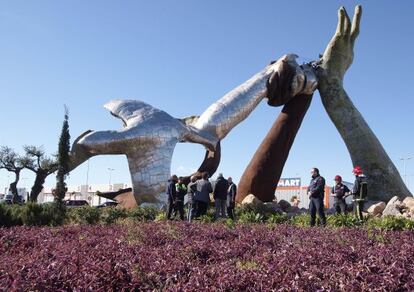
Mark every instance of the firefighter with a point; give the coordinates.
(359, 191)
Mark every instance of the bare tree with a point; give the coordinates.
(42, 166)
(13, 162)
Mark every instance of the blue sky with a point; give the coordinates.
(181, 56)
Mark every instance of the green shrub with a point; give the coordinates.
(390, 223)
(32, 214)
(84, 215)
(161, 216)
(302, 220)
(111, 215)
(207, 218)
(250, 209)
(144, 214)
(10, 215)
(278, 219)
(251, 217)
(343, 221)
(53, 214)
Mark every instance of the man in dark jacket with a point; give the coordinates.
(231, 198)
(316, 192)
(220, 196)
(359, 191)
(171, 193)
(340, 192)
(202, 196)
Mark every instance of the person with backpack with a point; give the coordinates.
(359, 191)
(340, 192)
(316, 192)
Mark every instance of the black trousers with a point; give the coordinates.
(316, 206)
(179, 208)
(200, 208)
(230, 212)
(170, 208)
(175, 207)
(340, 207)
(358, 207)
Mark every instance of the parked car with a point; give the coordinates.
(8, 199)
(76, 203)
(107, 204)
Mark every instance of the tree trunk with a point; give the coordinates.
(13, 187)
(38, 185)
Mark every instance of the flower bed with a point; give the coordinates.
(197, 256)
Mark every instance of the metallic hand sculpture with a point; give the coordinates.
(150, 135)
(364, 147)
(265, 168)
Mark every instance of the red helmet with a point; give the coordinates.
(357, 170)
(338, 178)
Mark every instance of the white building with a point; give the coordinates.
(83, 192)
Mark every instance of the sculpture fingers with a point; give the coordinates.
(347, 24)
(341, 22)
(355, 23)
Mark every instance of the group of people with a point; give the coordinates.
(339, 191)
(196, 197)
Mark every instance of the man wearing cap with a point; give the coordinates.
(359, 191)
(316, 192)
(339, 192)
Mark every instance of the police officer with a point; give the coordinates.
(359, 191)
(340, 192)
(316, 192)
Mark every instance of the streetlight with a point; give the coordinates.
(87, 175)
(110, 176)
(23, 179)
(404, 159)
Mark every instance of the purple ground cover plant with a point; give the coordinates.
(195, 257)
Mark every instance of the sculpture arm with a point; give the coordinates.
(364, 147)
(230, 110)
